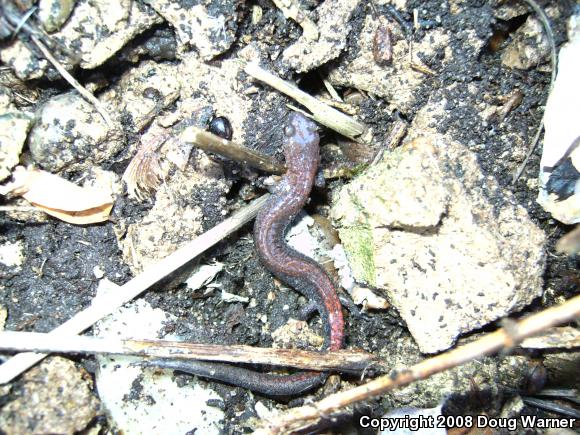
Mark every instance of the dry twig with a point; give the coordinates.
(305, 416)
(73, 82)
(396, 134)
(326, 115)
(19, 23)
(343, 360)
(210, 142)
(133, 288)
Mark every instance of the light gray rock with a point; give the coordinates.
(55, 397)
(529, 46)
(178, 214)
(221, 87)
(448, 247)
(207, 25)
(52, 14)
(12, 254)
(396, 82)
(142, 93)
(70, 133)
(94, 32)
(14, 126)
(333, 25)
(24, 63)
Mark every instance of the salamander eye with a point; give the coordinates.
(221, 127)
(289, 131)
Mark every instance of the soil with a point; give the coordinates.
(57, 278)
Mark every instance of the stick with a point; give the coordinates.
(565, 337)
(488, 344)
(397, 132)
(134, 287)
(321, 112)
(73, 82)
(343, 360)
(215, 144)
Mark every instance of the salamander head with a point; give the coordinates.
(300, 139)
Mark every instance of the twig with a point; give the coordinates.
(210, 142)
(73, 82)
(552, 407)
(343, 360)
(565, 337)
(570, 394)
(133, 288)
(330, 88)
(321, 112)
(488, 344)
(554, 61)
(23, 21)
(396, 134)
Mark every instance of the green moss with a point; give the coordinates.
(358, 244)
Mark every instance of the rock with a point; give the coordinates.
(94, 32)
(142, 93)
(529, 46)
(6, 101)
(52, 14)
(12, 254)
(182, 205)
(509, 10)
(23, 62)
(70, 134)
(334, 27)
(222, 86)
(560, 163)
(203, 275)
(512, 408)
(117, 23)
(208, 26)
(451, 251)
(14, 126)
(296, 334)
(140, 400)
(396, 82)
(54, 397)
(3, 317)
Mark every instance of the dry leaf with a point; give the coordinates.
(59, 197)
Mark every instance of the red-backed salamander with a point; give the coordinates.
(295, 269)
